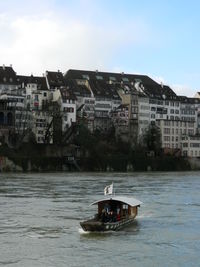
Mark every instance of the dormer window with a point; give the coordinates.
(99, 77)
(112, 78)
(125, 79)
(85, 76)
(138, 80)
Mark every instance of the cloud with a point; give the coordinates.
(183, 90)
(52, 40)
(179, 89)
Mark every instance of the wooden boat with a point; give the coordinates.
(114, 212)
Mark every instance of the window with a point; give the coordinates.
(98, 77)
(112, 78)
(177, 104)
(167, 138)
(167, 123)
(70, 110)
(125, 79)
(166, 130)
(190, 132)
(85, 76)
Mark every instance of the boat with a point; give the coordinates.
(113, 213)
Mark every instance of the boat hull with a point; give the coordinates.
(97, 226)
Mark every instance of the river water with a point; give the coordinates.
(40, 215)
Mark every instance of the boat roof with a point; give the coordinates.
(124, 199)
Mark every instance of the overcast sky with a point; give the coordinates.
(157, 38)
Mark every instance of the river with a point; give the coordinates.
(40, 215)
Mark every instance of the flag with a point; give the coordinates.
(108, 190)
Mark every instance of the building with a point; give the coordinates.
(54, 102)
(67, 102)
(42, 126)
(8, 79)
(190, 146)
(120, 120)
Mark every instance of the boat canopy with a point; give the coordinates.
(124, 199)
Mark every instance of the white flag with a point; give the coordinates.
(108, 190)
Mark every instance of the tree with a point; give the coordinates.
(152, 139)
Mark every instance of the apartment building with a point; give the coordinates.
(93, 100)
(8, 79)
(190, 146)
(173, 130)
(42, 126)
(120, 120)
(37, 95)
(129, 102)
(67, 103)
(78, 84)
(143, 114)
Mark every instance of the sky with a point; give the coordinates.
(160, 39)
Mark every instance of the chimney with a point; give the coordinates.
(4, 67)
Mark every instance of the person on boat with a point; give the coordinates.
(107, 207)
(111, 216)
(118, 217)
(104, 216)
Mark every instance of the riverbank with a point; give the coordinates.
(55, 158)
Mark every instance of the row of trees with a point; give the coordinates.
(102, 151)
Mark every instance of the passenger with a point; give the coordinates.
(104, 216)
(107, 207)
(118, 217)
(112, 217)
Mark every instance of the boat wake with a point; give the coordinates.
(146, 215)
(82, 232)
